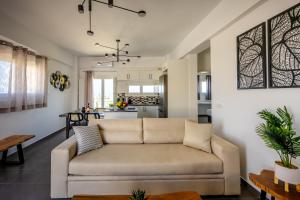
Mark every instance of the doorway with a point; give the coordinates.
(204, 87)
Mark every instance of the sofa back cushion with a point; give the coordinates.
(118, 131)
(198, 136)
(163, 130)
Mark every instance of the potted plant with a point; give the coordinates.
(138, 195)
(278, 134)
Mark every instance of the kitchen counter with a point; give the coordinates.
(121, 114)
(120, 111)
(143, 105)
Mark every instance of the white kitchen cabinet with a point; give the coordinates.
(124, 75)
(131, 75)
(147, 111)
(149, 75)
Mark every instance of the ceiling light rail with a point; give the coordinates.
(110, 4)
(120, 56)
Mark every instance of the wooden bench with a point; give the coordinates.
(12, 141)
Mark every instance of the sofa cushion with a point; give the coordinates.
(197, 135)
(88, 138)
(121, 130)
(145, 159)
(163, 130)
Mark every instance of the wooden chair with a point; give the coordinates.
(74, 119)
(91, 116)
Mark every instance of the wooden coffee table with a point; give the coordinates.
(265, 181)
(172, 196)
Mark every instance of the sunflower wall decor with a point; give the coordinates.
(59, 81)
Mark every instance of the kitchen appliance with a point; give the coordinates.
(163, 96)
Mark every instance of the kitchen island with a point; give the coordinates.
(121, 114)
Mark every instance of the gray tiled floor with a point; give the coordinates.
(31, 181)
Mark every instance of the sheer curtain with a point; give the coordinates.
(89, 89)
(23, 82)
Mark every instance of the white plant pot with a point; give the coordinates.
(287, 175)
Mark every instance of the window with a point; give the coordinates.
(108, 92)
(97, 93)
(103, 92)
(23, 81)
(134, 89)
(4, 77)
(149, 89)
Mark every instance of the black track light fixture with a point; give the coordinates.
(121, 54)
(110, 4)
(80, 9)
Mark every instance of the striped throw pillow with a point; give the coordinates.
(88, 138)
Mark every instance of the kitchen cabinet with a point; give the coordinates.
(147, 111)
(131, 75)
(128, 75)
(149, 75)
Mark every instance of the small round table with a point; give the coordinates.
(265, 181)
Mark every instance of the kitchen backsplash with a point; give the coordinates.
(140, 100)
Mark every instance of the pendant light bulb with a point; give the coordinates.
(80, 9)
(90, 32)
(141, 13)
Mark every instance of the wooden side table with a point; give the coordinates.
(265, 181)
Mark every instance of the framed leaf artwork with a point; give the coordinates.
(251, 58)
(284, 49)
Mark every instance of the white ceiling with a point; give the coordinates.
(166, 24)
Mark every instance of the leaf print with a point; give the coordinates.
(284, 48)
(251, 58)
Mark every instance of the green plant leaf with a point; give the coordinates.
(277, 133)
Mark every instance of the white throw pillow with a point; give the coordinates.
(198, 135)
(88, 138)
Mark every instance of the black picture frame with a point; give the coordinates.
(251, 58)
(283, 49)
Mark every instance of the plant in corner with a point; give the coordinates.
(138, 195)
(278, 134)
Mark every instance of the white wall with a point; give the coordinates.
(192, 64)
(225, 13)
(42, 121)
(178, 88)
(182, 87)
(235, 111)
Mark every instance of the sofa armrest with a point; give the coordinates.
(229, 154)
(60, 157)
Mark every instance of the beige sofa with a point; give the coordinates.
(146, 154)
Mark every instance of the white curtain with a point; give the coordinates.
(23, 81)
(89, 97)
